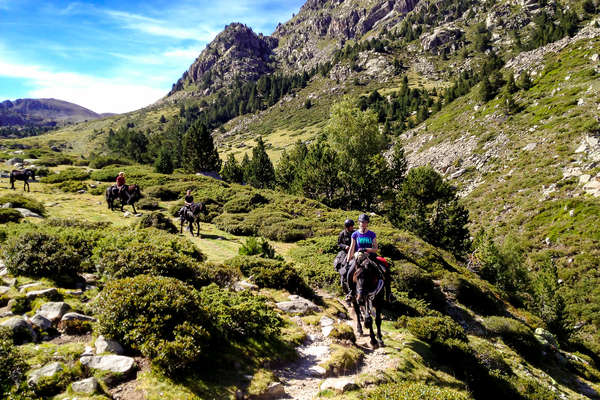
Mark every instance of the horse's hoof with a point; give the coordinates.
(360, 332)
(373, 342)
(380, 343)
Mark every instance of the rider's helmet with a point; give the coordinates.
(363, 218)
(348, 223)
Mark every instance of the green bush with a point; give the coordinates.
(77, 223)
(273, 274)
(475, 297)
(9, 215)
(54, 160)
(163, 193)
(313, 259)
(515, 334)
(71, 186)
(150, 204)
(159, 221)
(342, 331)
(240, 315)
(255, 247)
(244, 202)
(433, 329)
(12, 363)
(411, 279)
(40, 255)
(104, 161)
(69, 174)
(409, 390)
(141, 258)
(20, 201)
(161, 317)
(216, 273)
(41, 171)
(234, 224)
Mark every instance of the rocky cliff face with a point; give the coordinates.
(236, 53)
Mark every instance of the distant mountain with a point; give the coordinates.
(43, 113)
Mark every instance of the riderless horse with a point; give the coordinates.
(22, 175)
(128, 195)
(191, 214)
(368, 281)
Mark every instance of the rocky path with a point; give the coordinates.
(304, 378)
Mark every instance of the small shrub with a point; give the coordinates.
(20, 201)
(161, 317)
(77, 223)
(69, 174)
(159, 221)
(54, 160)
(410, 390)
(241, 315)
(343, 359)
(75, 327)
(41, 171)
(343, 331)
(433, 329)
(220, 275)
(476, 297)
(244, 203)
(413, 280)
(515, 334)
(105, 161)
(234, 224)
(40, 255)
(255, 247)
(9, 215)
(148, 204)
(71, 186)
(163, 193)
(12, 363)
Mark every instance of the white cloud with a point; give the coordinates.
(98, 94)
(185, 53)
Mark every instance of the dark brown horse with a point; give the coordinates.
(128, 195)
(21, 175)
(191, 214)
(369, 282)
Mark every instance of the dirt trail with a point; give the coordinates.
(302, 378)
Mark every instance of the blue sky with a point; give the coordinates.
(115, 56)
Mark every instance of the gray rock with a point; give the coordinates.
(297, 305)
(104, 345)
(52, 292)
(341, 385)
(244, 285)
(53, 310)
(21, 328)
(4, 289)
(14, 161)
(88, 386)
(28, 213)
(23, 288)
(46, 371)
(41, 322)
(275, 390)
(76, 316)
(110, 363)
(88, 351)
(545, 338)
(6, 314)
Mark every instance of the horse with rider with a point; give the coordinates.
(127, 194)
(190, 213)
(364, 276)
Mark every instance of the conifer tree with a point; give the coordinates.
(261, 173)
(232, 171)
(199, 152)
(164, 161)
(511, 86)
(245, 167)
(486, 92)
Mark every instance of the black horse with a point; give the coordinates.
(128, 195)
(22, 175)
(368, 282)
(191, 214)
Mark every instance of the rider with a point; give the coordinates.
(365, 241)
(188, 199)
(344, 242)
(120, 182)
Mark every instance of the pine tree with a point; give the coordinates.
(486, 93)
(232, 171)
(261, 173)
(398, 166)
(245, 167)
(164, 161)
(511, 86)
(199, 152)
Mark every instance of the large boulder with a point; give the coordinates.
(41, 322)
(109, 363)
(104, 345)
(22, 331)
(87, 386)
(73, 316)
(28, 213)
(297, 305)
(54, 311)
(15, 161)
(50, 293)
(46, 371)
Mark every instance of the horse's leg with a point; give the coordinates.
(378, 324)
(181, 222)
(133, 205)
(198, 227)
(369, 324)
(357, 312)
(28, 188)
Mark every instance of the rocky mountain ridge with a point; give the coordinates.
(43, 112)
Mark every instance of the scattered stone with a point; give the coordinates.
(104, 345)
(244, 285)
(4, 289)
(20, 328)
(51, 292)
(88, 351)
(41, 322)
(547, 241)
(529, 147)
(76, 316)
(126, 214)
(77, 292)
(297, 305)
(23, 288)
(89, 278)
(317, 371)
(111, 363)
(14, 161)
(571, 213)
(6, 314)
(88, 386)
(583, 179)
(593, 187)
(81, 191)
(594, 57)
(580, 102)
(340, 385)
(46, 371)
(27, 213)
(458, 173)
(275, 390)
(54, 311)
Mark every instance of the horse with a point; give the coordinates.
(128, 195)
(21, 175)
(368, 281)
(191, 214)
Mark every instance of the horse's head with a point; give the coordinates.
(135, 192)
(31, 173)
